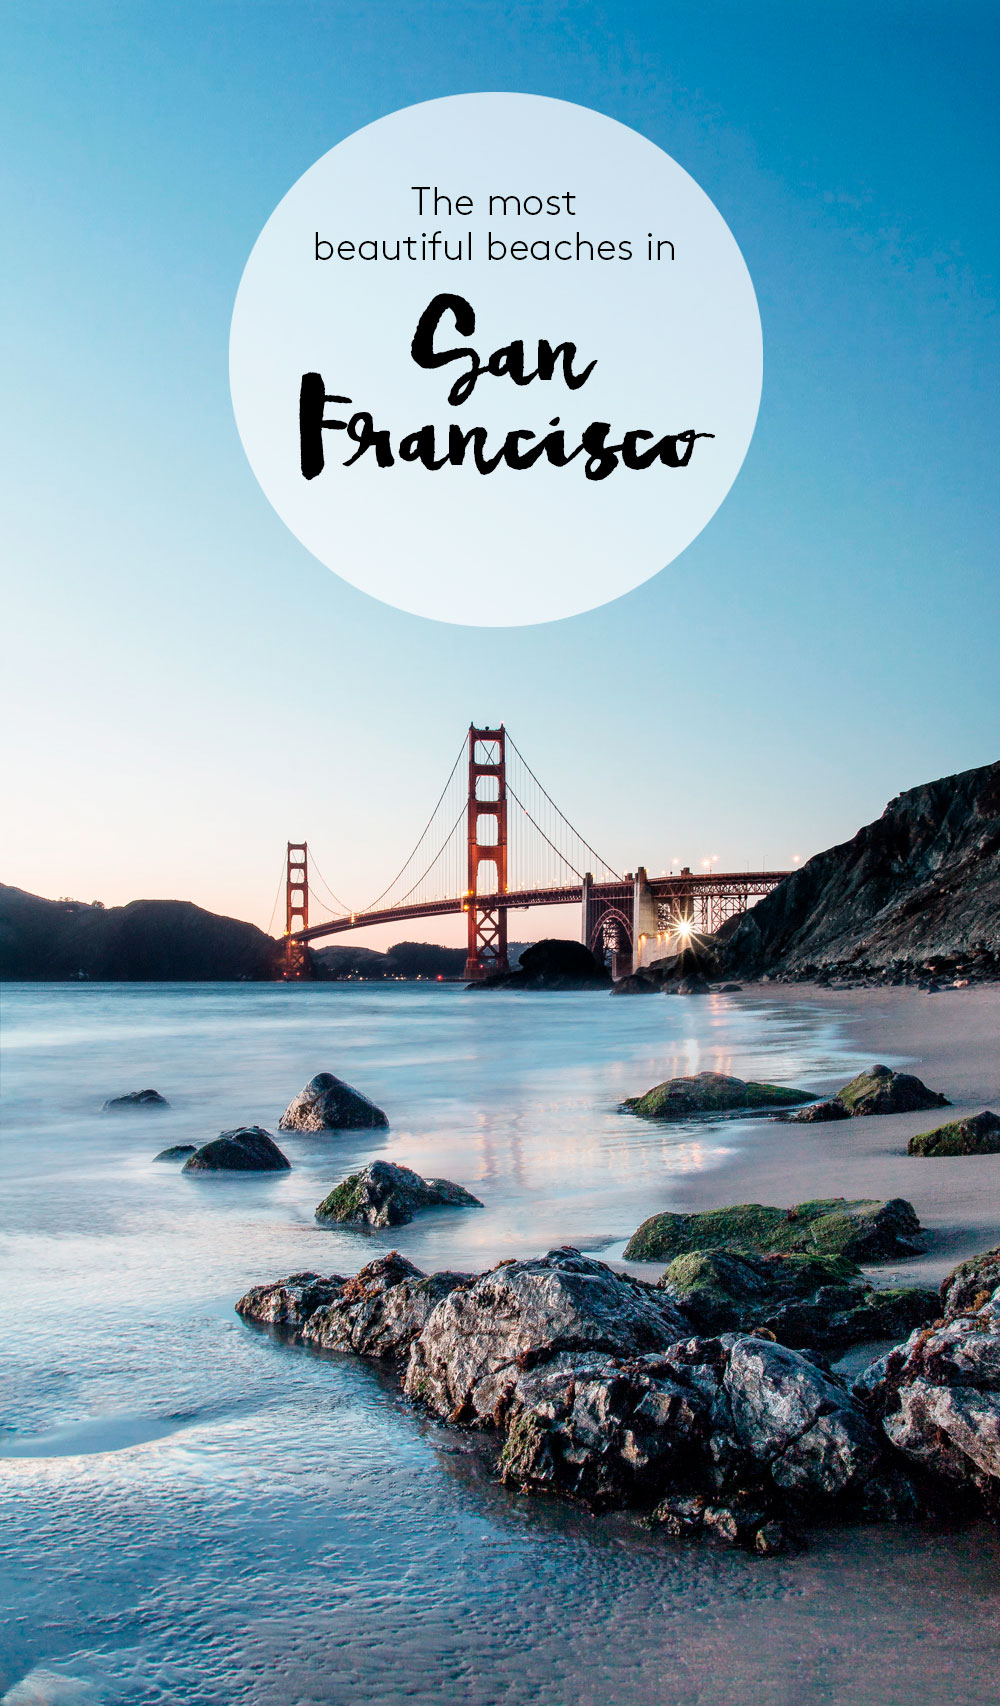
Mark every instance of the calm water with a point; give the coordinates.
(194, 1513)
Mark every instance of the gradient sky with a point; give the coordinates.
(188, 687)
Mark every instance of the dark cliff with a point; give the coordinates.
(919, 886)
(148, 940)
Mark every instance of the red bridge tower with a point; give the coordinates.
(296, 908)
(487, 823)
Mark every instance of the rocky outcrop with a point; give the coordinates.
(176, 1152)
(328, 1104)
(247, 1149)
(710, 1093)
(552, 964)
(155, 940)
(937, 1397)
(591, 1385)
(383, 1194)
(882, 1091)
(918, 889)
(135, 1099)
(525, 1312)
(378, 1313)
(862, 1231)
(807, 1302)
(979, 1134)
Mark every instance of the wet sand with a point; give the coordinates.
(952, 1041)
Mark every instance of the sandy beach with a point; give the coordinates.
(951, 1040)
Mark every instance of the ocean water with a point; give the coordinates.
(193, 1512)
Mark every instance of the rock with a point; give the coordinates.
(971, 1284)
(551, 964)
(595, 1390)
(176, 1152)
(730, 988)
(720, 1434)
(328, 1104)
(380, 1312)
(977, 1135)
(519, 1314)
(135, 1099)
(863, 1231)
(710, 1093)
(695, 985)
(882, 1091)
(636, 983)
(807, 1302)
(593, 1428)
(937, 1397)
(247, 1149)
(818, 1113)
(383, 1194)
(290, 1302)
(773, 1538)
(377, 1314)
(799, 1421)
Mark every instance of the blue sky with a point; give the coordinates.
(188, 687)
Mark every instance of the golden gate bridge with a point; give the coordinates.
(496, 842)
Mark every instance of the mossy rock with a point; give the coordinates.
(972, 1283)
(819, 1303)
(384, 1194)
(344, 1202)
(711, 1093)
(864, 1230)
(977, 1135)
(882, 1091)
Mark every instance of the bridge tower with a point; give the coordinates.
(487, 836)
(296, 908)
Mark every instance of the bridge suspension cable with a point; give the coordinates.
(575, 852)
(453, 879)
(334, 897)
(544, 848)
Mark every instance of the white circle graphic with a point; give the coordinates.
(496, 359)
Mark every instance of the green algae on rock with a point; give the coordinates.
(711, 1093)
(862, 1231)
(882, 1091)
(977, 1135)
(807, 1302)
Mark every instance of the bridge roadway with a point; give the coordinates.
(717, 897)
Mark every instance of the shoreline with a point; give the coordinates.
(951, 1040)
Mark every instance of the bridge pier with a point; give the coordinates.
(645, 921)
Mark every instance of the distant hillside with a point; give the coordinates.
(148, 940)
(918, 887)
(403, 960)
